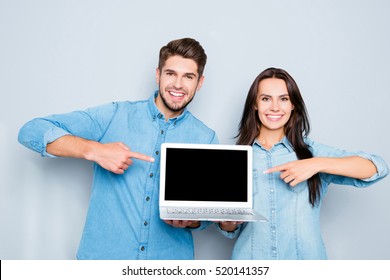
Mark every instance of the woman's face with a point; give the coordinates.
(273, 104)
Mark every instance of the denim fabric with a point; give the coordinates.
(123, 217)
(293, 229)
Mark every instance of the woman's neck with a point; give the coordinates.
(268, 138)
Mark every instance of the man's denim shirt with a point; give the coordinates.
(293, 227)
(123, 217)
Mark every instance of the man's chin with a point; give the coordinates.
(176, 108)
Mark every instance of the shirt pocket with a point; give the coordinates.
(298, 188)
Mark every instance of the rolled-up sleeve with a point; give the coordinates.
(380, 164)
(50, 136)
(328, 151)
(89, 124)
(230, 234)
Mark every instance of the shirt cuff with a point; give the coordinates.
(229, 234)
(380, 164)
(50, 136)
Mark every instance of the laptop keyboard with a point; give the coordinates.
(185, 210)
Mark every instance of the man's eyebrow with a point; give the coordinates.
(173, 71)
(191, 74)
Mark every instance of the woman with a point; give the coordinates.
(297, 173)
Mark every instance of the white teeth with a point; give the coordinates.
(274, 117)
(176, 94)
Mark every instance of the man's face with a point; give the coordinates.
(178, 81)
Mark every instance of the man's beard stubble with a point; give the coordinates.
(175, 108)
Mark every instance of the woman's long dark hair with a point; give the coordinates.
(295, 129)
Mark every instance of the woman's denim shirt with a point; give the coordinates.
(293, 227)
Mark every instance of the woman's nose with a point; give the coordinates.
(275, 106)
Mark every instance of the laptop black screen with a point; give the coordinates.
(206, 175)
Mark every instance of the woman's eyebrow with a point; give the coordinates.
(268, 95)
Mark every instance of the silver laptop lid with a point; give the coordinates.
(206, 175)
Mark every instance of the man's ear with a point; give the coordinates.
(157, 75)
(200, 83)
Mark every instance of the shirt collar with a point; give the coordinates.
(284, 142)
(287, 144)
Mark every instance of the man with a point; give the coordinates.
(123, 140)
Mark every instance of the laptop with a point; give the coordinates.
(207, 182)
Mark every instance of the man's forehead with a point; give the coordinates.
(180, 65)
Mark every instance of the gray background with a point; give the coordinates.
(59, 56)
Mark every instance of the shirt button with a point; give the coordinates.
(145, 223)
(147, 198)
(162, 132)
(142, 248)
(151, 175)
(157, 152)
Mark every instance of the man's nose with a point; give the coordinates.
(177, 83)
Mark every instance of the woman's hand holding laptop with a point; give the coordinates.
(229, 226)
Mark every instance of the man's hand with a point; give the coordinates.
(116, 157)
(183, 223)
